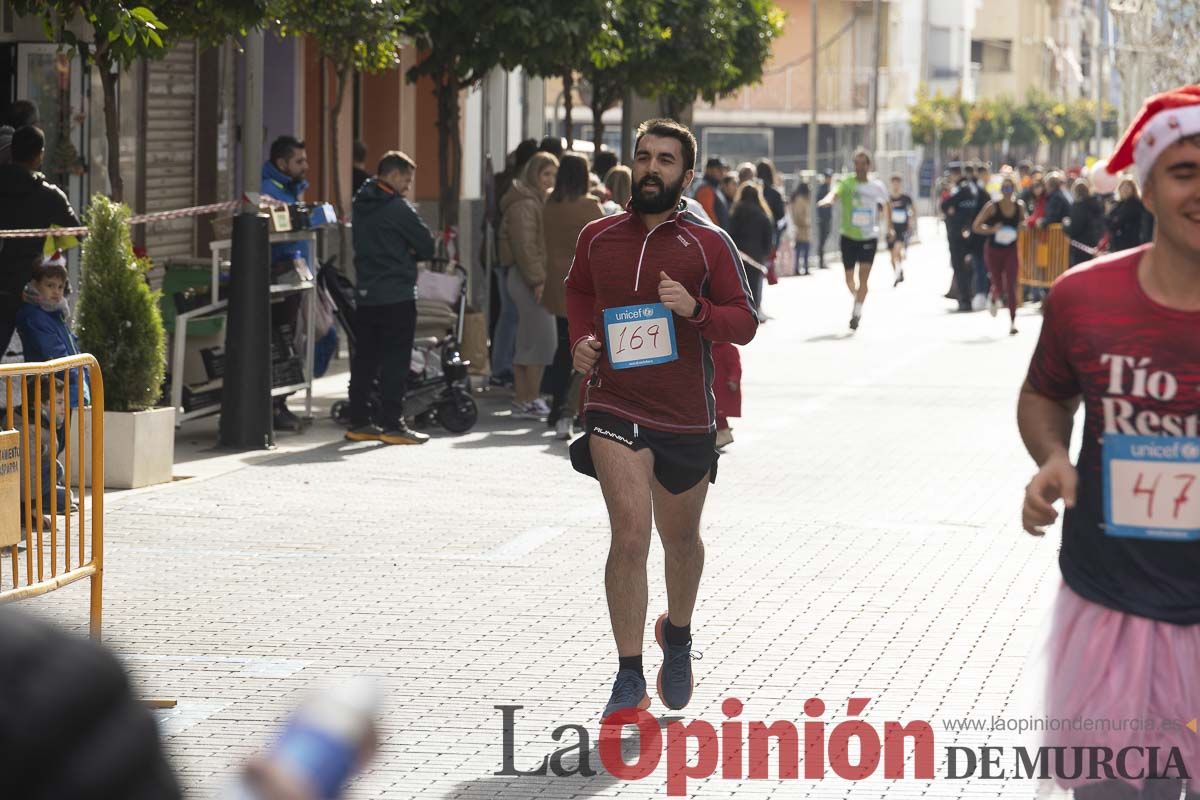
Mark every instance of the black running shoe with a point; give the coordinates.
(629, 691)
(675, 679)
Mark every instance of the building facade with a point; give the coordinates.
(182, 127)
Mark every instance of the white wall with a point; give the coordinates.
(959, 17)
(535, 109)
(472, 154)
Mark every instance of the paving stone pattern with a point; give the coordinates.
(863, 540)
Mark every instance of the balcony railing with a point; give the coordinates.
(838, 90)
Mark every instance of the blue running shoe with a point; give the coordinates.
(675, 680)
(629, 691)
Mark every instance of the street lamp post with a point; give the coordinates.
(873, 109)
(1099, 67)
(813, 126)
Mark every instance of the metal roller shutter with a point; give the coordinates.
(170, 150)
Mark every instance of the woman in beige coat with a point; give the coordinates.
(523, 246)
(801, 208)
(568, 210)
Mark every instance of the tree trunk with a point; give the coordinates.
(673, 107)
(343, 209)
(601, 101)
(449, 149)
(568, 105)
(597, 124)
(112, 127)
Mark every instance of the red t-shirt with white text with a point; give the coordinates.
(1136, 364)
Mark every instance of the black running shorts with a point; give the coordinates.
(681, 460)
(898, 233)
(855, 252)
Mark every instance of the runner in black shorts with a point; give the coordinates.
(855, 252)
(648, 292)
(904, 215)
(681, 460)
(863, 203)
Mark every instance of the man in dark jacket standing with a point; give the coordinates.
(389, 239)
(960, 209)
(27, 200)
(824, 216)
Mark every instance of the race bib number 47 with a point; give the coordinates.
(1152, 487)
(638, 336)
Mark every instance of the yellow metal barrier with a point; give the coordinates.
(35, 428)
(1044, 254)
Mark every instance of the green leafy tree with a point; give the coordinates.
(937, 119)
(736, 37)
(209, 22)
(568, 42)
(626, 64)
(456, 56)
(1052, 117)
(989, 123)
(1025, 130)
(757, 23)
(121, 36)
(118, 316)
(351, 35)
(1081, 116)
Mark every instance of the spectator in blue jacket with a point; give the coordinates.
(283, 180)
(42, 323)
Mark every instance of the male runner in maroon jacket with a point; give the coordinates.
(648, 292)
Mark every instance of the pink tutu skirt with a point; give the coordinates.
(1128, 674)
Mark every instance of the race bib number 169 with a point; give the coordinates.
(1152, 487)
(638, 336)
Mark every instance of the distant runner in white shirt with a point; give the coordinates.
(865, 203)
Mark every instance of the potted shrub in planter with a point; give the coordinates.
(119, 322)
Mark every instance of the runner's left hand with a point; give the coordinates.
(674, 296)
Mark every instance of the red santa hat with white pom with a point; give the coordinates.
(1164, 120)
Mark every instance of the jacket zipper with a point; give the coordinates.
(637, 281)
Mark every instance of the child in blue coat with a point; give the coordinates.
(42, 323)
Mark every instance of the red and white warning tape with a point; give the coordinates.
(138, 219)
(1091, 251)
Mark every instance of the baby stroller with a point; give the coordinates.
(439, 390)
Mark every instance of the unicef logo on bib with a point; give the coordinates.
(639, 336)
(1152, 487)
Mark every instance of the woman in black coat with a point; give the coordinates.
(753, 232)
(1126, 220)
(1086, 222)
(778, 208)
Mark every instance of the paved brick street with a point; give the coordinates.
(863, 540)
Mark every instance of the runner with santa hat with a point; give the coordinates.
(1122, 335)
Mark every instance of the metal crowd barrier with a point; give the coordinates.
(1044, 254)
(62, 545)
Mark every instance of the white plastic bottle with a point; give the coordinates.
(323, 741)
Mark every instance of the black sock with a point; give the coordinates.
(678, 636)
(631, 662)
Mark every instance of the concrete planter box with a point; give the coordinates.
(139, 448)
